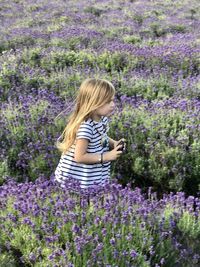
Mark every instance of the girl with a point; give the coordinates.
(85, 143)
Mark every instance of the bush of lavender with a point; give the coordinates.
(44, 225)
(162, 144)
(29, 135)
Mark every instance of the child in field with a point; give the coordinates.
(85, 145)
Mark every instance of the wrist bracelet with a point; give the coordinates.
(102, 158)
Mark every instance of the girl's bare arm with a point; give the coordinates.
(81, 155)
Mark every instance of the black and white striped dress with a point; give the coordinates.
(86, 174)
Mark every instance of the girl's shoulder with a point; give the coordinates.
(89, 125)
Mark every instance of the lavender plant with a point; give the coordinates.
(44, 225)
(29, 136)
(162, 144)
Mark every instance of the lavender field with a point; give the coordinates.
(150, 51)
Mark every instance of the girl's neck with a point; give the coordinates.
(96, 118)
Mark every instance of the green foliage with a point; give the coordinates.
(157, 30)
(116, 61)
(138, 18)
(160, 149)
(132, 39)
(8, 75)
(94, 10)
(3, 46)
(37, 165)
(12, 115)
(177, 28)
(65, 84)
(38, 109)
(32, 56)
(21, 41)
(151, 88)
(3, 171)
(7, 260)
(189, 225)
(66, 59)
(70, 43)
(22, 236)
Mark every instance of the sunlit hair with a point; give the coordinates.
(93, 93)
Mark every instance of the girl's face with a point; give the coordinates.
(105, 110)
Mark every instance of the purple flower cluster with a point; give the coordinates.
(108, 225)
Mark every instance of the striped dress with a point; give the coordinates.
(86, 174)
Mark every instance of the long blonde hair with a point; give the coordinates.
(93, 93)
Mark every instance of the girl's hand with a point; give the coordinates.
(116, 143)
(113, 154)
